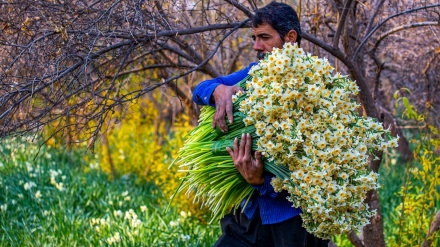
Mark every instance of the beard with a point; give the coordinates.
(261, 55)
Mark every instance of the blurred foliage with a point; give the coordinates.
(145, 144)
(48, 200)
(419, 194)
(143, 139)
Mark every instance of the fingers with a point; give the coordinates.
(242, 148)
(258, 160)
(251, 169)
(219, 118)
(248, 146)
(229, 150)
(236, 144)
(240, 155)
(213, 120)
(238, 89)
(224, 106)
(244, 151)
(229, 113)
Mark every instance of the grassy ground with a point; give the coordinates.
(54, 199)
(51, 197)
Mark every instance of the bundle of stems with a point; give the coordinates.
(304, 121)
(210, 172)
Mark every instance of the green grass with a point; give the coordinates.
(87, 209)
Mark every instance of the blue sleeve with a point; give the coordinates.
(202, 93)
(266, 189)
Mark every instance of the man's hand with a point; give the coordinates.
(251, 169)
(223, 105)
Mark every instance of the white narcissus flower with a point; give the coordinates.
(324, 116)
(312, 138)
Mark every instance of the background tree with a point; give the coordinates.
(76, 65)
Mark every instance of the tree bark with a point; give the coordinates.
(373, 232)
(435, 225)
(355, 240)
(104, 141)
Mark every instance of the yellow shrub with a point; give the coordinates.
(145, 144)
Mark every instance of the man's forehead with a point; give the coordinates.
(263, 29)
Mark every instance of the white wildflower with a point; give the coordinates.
(38, 194)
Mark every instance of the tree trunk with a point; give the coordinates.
(373, 232)
(104, 141)
(435, 226)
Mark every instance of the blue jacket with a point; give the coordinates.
(274, 207)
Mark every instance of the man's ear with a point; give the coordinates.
(290, 36)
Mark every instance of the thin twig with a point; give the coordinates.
(240, 7)
(341, 23)
(201, 64)
(403, 27)
(386, 20)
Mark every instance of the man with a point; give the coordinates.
(268, 218)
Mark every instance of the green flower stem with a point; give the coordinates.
(219, 147)
(238, 132)
(235, 125)
(280, 171)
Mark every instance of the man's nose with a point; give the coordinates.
(258, 45)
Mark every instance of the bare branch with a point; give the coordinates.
(373, 16)
(240, 7)
(172, 33)
(156, 66)
(201, 64)
(429, 63)
(435, 226)
(401, 28)
(355, 240)
(252, 4)
(386, 20)
(341, 23)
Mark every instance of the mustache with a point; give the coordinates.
(261, 55)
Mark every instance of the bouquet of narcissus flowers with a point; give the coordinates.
(304, 121)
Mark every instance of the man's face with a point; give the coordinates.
(265, 38)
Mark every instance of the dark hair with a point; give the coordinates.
(280, 17)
